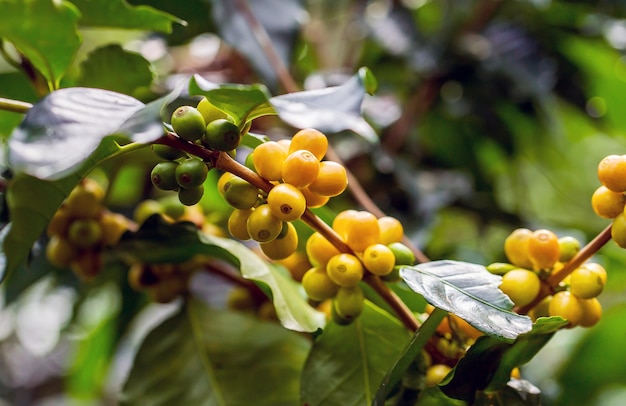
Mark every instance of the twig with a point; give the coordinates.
(15, 106)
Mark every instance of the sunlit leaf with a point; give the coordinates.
(60, 132)
(469, 291)
(120, 14)
(113, 68)
(159, 241)
(44, 31)
(348, 363)
(331, 110)
(204, 357)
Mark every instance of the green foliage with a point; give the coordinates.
(120, 14)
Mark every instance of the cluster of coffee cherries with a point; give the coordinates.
(204, 125)
(376, 248)
(533, 257)
(81, 228)
(301, 179)
(609, 199)
(163, 282)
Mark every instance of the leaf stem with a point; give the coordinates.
(15, 106)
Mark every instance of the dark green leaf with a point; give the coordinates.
(206, 357)
(433, 396)
(517, 392)
(14, 85)
(60, 132)
(347, 363)
(469, 291)
(159, 241)
(44, 31)
(119, 14)
(331, 110)
(113, 68)
(488, 363)
(242, 102)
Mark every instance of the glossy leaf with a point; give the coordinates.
(469, 291)
(60, 132)
(330, 110)
(348, 363)
(488, 363)
(205, 357)
(44, 31)
(120, 14)
(113, 68)
(159, 241)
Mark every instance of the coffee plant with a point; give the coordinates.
(312, 202)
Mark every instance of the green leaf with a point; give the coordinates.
(469, 291)
(242, 102)
(205, 357)
(159, 241)
(433, 396)
(348, 363)
(44, 31)
(331, 110)
(14, 85)
(113, 68)
(488, 363)
(119, 14)
(60, 132)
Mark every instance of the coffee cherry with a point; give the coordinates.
(320, 250)
(59, 223)
(145, 209)
(313, 200)
(191, 172)
(543, 249)
(521, 286)
(541, 309)
(286, 202)
(500, 268)
(612, 172)
(403, 254)
(606, 203)
(391, 230)
(345, 269)
(163, 175)
(168, 153)
(311, 140)
(85, 200)
(282, 246)
(85, 233)
(317, 285)
(300, 168)
(190, 195)
(297, 264)
(268, 159)
(568, 247)
(587, 283)
(349, 302)
(113, 225)
(592, 312)
(568, 306)
(331, 180)
(60, 252)
(240, 194)
(188, 123)
(209, 111)
(379, 259)
(362, 231)
(262, 225)
(87, 264)
(342, 222)
(237, 224)
(436, 373)
(221, 135)
(618, 230)
(516, 248)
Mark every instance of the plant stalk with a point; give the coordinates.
(14, 106)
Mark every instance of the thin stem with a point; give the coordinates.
(15, 106)
(389, 296)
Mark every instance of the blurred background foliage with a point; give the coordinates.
(492, 115)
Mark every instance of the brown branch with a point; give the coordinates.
(15, 106)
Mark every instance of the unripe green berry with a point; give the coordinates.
(240, 194)
(403, 254)
(221, 135)
(209, 111)
(188, 123)
(191, 173)
(163, 175)
(190, 196)
(349, 302)
(166, 152)
(568, 247)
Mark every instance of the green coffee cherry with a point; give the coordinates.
(188, 123)
(336, 317)
(166, 152)
(403, 254)
(349, 302)
(191, 173)
(240, 194)
(190, 196)
(163, 175)
(568, 247)
(209, 111)
(221, 135)
(172, 207)
(262, 225)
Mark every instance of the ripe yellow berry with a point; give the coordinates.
(282, 247)
(568, 306)
(612, 172)
(436, 373)
(311, 140)
(238, 224)
(345, 269)
(286, 202)
(592, 312)
(587, 283)
(618, 230)
(320, 250)
(331, 180)
(342, 222)
(521, 286)
(362, 231)
(297, 264)
(300, 168)
(114, 225)
(317, 285)
(543, 249)
(313, 200)
(516, 247)
(60, 252)
(379, 259)
(391, 230)
(268, 159)
(606, 203)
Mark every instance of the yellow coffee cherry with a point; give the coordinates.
(268, 160)
(238, 224)
(60, 222)
(320, 250)
(568, 247)
(379, 259)
(543, 249)
(606, 203)
(542, 309)
(345, 270)
(297, 264)
(282, 247)
(300, 168)
(342, 222)
(311, 140)
(587, 283)
(592, 312)
(318, 286)
(521, 286)
(313, 200)
(436, 373)
(85, 200)
(516, 248)
(391, 230)
(286, 202)
(60, 252)
(362, 231)
(262, 225)
(618, 230)
(331, 179)
(568, 306)
(114, 225)
(612, 172)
